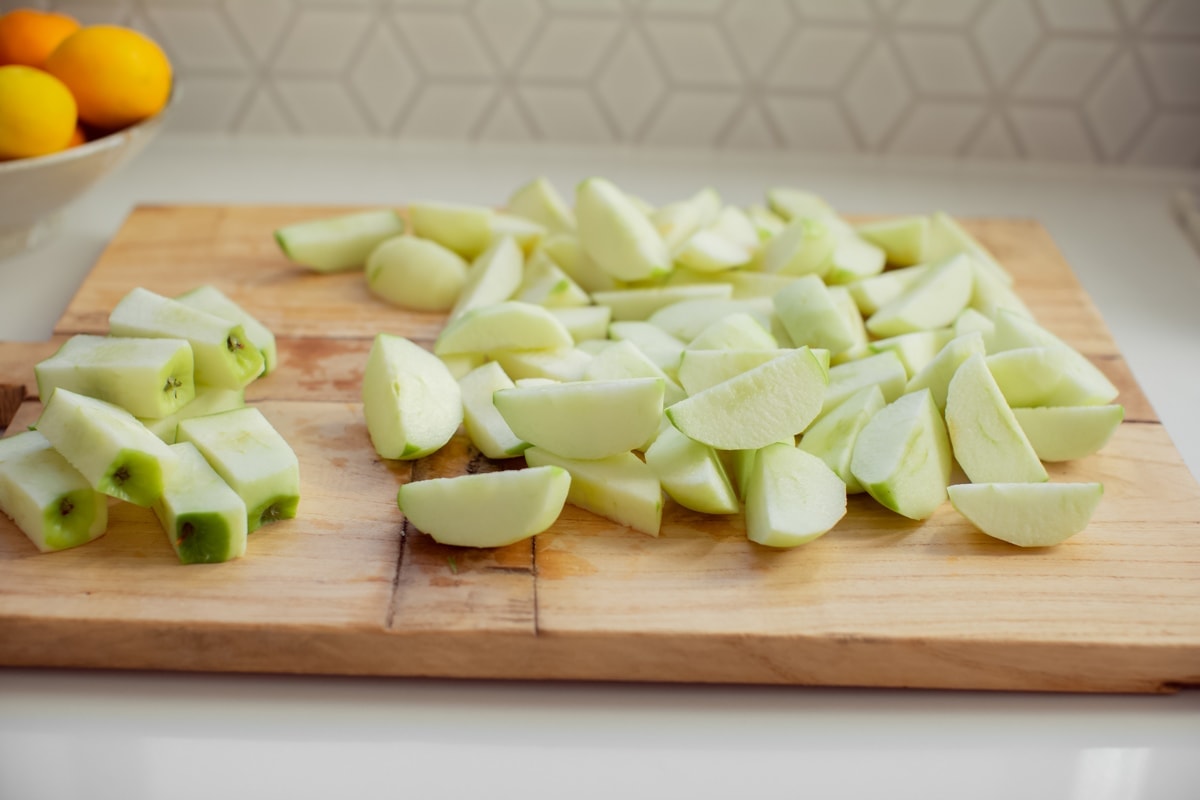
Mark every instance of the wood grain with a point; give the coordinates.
(349, 588)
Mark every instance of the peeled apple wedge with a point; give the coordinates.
(491, 278)
(485, 427)
(640, 304)
(338, 243)
(905, 240)
(411, 402)
(902, 456)
(416, 273)
(621, 488)
(489, 509)
(539, 201)
(1066, 433)
(691, 473)
(1028, 514)
(617, 235)
(464, 229)
(758, 407)
(587, 419)
(935, 301)
(511, 325)
(988, 442)
(832, 437)
(792, 497)
(47, 498)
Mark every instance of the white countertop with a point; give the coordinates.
(138, 735)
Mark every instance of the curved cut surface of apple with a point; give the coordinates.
(1028, 514)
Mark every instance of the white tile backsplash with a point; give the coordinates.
(1112, 81)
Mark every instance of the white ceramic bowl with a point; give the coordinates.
(33, 191)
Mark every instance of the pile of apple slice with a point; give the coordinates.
(624, 350)
(154, 414)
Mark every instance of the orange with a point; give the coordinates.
(118, 76)
(28, 37)
(37, 113)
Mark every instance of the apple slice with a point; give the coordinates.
(873, 293)
(1065, 433)
(659, 346)
(587, 419)
(625, 360)
(972, 320)
(485, 427)
(539, 201)
(336, 244)
(935, 301)
(1081, 377)
(547, 285)
(46, 497)
(701, 369)
(462, 363)
(526, 233)
(803, 247)
(621, 488)
(511, 325)
(465, 229)
(832, 437)
(990, 293)
(641, 304)
(792, 497)
(709, 251)
(884, 370)
(208, 400)
(735, 225)
(204, 519)
(947, 237)
(740, 331)
(584, 322)
(222, 353)
(691, 473)
(566, 251)
(765, 221)
(411, 402)
(488, 509)
(988, 442)
(1028, 514)
(902, 456)
(813, 317)
(905, 240)
(936, 375)
(416, 273)
(617, 235)
(789, 204)
(564, 364)
(853, 259)
(146, 377)
(686, 319)
(678, 222)
(252, 458)
(214, 301)
(756, 408)
(915, 349)
(493, 277)
(113, 451)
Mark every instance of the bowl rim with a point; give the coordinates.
(107, 142)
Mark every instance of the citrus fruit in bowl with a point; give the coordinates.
(75, 103)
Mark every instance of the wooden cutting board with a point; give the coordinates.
(348, 588)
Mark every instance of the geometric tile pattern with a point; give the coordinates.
(1093, 81)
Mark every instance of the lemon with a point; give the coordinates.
(37, 113)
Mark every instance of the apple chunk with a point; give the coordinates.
(617, 235)
(411, 402)
(792, 497)
(1065, 433)
(489, 509)
(1028, 514)
(758, 407)
(902, 457)
(586, 419)
(621, 488)
(47, 498)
